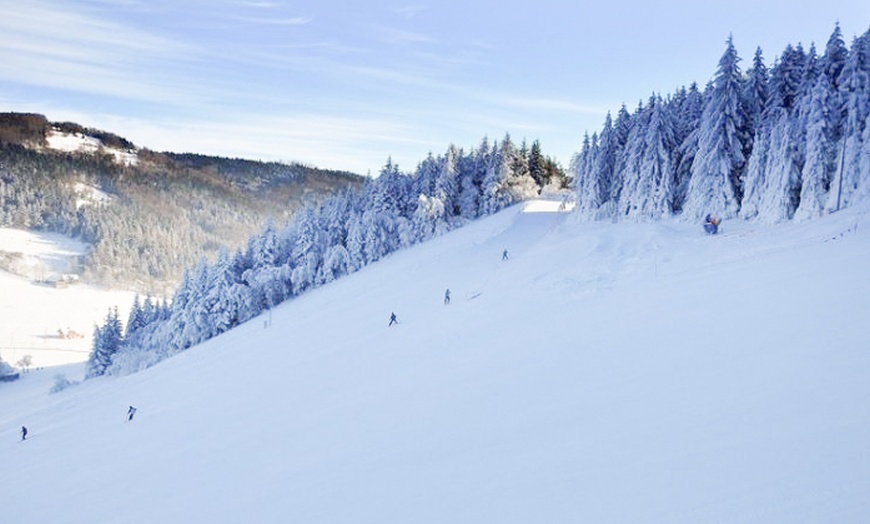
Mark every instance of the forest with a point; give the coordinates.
(769, 144)
(146, 221)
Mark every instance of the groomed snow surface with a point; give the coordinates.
(604, 373)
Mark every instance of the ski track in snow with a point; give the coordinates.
(605, 373)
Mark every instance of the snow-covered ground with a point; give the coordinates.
(75, 142)
(604, 373)
(54, 325)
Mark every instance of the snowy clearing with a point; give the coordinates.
(604, 373)
(75, 142)
(51, 323)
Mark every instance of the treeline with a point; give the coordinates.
(148, 221)
(792, 141)
(323, 242)
(22, 128)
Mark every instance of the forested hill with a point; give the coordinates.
(148, 215)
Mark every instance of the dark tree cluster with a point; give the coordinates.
(20, 128)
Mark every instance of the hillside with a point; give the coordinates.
(604, 373)
(148, 215)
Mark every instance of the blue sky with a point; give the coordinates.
(346, 84)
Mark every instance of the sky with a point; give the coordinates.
(347, 85)
(615, 373)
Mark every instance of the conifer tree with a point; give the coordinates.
(854, 87)
(818, 167)
(137, 317)
(537, 164)
(107, 340)
(716, 174)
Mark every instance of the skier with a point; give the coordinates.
(447, 297)
(504, 256)
(23, 433)
(393, 319)
(130, 412)
(711, 224)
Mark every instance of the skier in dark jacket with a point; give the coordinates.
(504, 255)
(130, 412)
(23, 433)
(393, 319)
(447, 297)
(711, 224)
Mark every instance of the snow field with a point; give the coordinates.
(31, 314)
(605, 373)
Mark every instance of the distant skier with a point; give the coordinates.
(130, 412)
(504, 256)
(711, 224)
(23, 433)
(393, 319)
(447, 297)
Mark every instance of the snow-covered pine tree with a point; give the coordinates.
(786, 77)
(447, 187)
(538, 165)
(307, 251)
(583, 174)
(220, 302)
(196, 327)
(136, 318)
(864, 163)
(855, 90)
(754, 99)
(756, 89)
(780, 193)
(469, 190)
(835, 57)
(648, 193)
(687, 121)
(717, 170)
(107, 340)
(355, 241)
(772, 181)
(336, 263)
(658, 168)
(756, 170)
(631, 194)
(820, 152)
(520, 182)
(494, 195)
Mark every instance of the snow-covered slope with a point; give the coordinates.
(604, 373)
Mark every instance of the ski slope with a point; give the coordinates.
(604, 373)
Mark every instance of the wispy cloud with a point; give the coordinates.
(261, 5)
(410, 11)
(402, 36)
(546, 104)
(50, 45)
(351, 143)
(289, 21)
